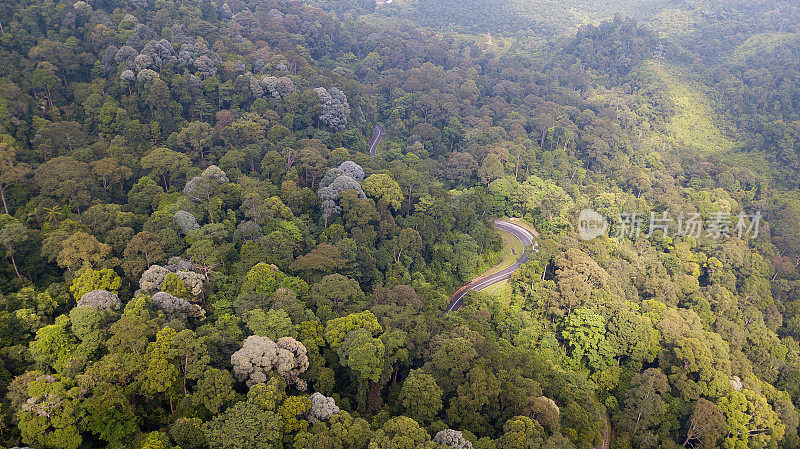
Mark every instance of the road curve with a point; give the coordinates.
(525, 236)
(377, 135)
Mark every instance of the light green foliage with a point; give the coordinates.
(87, 321)
(343, 430)
(421, 396)
(176, 287)
(384, 190)
(292, 413)
(54, 344)
(89, 279)
(81, 250)
(400, 433)
(585, 332)
(269, 395)
(336, 330)
(747, 413)
(521, 432)
(110, 415)
(173, 358)
(363, 353)
(694, 122)
(156, 440)
(632, 336)
(52, 415)
(272, 323)
(215, 389)
(264, 280)
(245, 426)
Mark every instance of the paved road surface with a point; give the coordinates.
(377, 135)
(525, 236)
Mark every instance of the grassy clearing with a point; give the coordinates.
(512, 249)
(501, 290)
(694, 124)
(761, 43)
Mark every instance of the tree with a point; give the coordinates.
(408, 244)
(460, 167)
(197, 137)
(293, 409)
(644, 405)
(188, 433)
(90, 280)
(521, 432)
(55, 137)
(578, 276)
(264, 280)
(585, 332)
(144, 195)
(491, 168)
(750, 420)
(336, 330)
(100, 299)
(81, 250)
(111, 173)
(186, 222)
(162, 376)
(11, 171)
(400, 432)
(54, 344)
(337, 292)
(245, 426)
(51, 413)
(706, 425)
(335, 109)
(259, 355)
(65, 179)
(206, 256)
(110, 415)
(384, 189)
(341, 431)
(324, 259)
(215, 390)
(322, 408)
(452, 439)
(272, 323)
(143, 250)
(13, 237)
(177, 308)
(363, 354)
(165, 164)
(421, 396)
(156, 440)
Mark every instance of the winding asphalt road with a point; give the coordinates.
(525, 236)
(377, 135)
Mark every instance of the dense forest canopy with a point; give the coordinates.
(199, 250)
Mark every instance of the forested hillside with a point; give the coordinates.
(199, 251)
